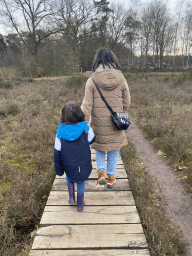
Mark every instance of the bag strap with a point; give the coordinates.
(110, 109)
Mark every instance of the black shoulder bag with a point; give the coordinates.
(120, 119)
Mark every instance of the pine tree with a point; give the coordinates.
(102, 7)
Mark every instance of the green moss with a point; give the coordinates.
(23, 164)
(16, 161)
(25, 252)
(190, 145)
(128, 75)
(5, 185)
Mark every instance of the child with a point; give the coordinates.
(72, 152)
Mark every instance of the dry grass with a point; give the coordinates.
(29, 114)
(162, 105)
(10, 73)
(162, 238)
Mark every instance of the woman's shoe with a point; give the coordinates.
(110, 180)
(101, 178)
(80, 202)
(71, 191)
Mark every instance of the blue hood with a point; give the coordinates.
(71, 132)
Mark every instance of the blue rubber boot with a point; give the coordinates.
(80, 202)
(71, 191)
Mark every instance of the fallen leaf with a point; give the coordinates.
(33, 233)
(160, 153)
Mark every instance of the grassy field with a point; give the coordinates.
(162, 237)
(29, 115)
(162, 106)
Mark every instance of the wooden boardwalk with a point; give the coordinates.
(109, 224)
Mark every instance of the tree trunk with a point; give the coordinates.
(146, 54)
(161, 58)
(157, 55)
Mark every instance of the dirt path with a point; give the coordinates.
(175, 200)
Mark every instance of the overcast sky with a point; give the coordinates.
(126, 4)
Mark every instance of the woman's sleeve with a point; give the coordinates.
(91, 136)
(57, 158)
(87, 103)
(126, 96)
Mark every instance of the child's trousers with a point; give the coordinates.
(80, 186)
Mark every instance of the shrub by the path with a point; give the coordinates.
(29, 116)
(164, 112)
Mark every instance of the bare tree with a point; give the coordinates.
(188, 32)
(29, 18)
(162, 28)
(146, 27)
(116, 25)
(72, 18)
(177, 28)
(132, 27)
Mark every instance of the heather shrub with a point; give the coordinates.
(128, 75)
(22, 206)
(5, 85)
(76, 81)
(164, 111)
(12, 109)
(27, 134)
(162, 237)
(183, 77)
(166, 79)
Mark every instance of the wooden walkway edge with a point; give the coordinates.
(109, 224)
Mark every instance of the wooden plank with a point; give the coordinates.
(91, 215)
(120, 170)
(94, 198)
(59, 230)
(89, 236)
(109, 221)
(90, 185)
(99, 252)
(78, 241)
(120, 173)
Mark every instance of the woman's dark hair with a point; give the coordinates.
(72, 113)
(105, 56)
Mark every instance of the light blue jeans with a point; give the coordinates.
(80, 186)
(112, 157)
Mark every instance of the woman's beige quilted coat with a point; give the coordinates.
(116, 91)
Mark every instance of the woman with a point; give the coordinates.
(109, 78)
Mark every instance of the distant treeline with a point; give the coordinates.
(60, 37)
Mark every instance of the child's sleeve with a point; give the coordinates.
(57, 158)
(91, 136)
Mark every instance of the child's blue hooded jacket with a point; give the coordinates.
(72, 152)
